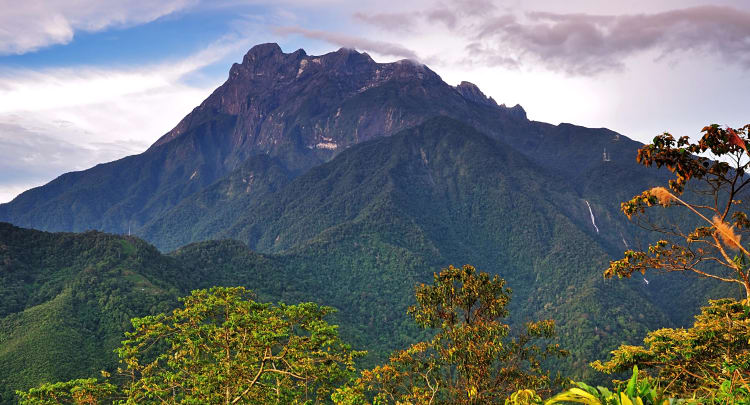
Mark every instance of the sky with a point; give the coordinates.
(90, 81)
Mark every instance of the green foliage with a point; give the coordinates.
(710, 361)
(383, 214)
(87, 391)
(635, 392)
(223, 347)
(470, 359)
(66, 299)
(220, 347)
(524, 397)
(708, 249)
(699, 361)
(355, 234)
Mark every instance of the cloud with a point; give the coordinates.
(354, 42)
(589, 44)
(57, 120)
(581, 44)
(402, 22)
(32, 158)
(33, 24)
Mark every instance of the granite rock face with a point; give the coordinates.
(294, 101)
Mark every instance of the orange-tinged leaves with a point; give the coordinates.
(735, 139)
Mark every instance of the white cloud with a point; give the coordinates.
(574, 43)
(350, 41)
(57, 120)
(29, 25)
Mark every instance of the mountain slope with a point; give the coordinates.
(360, 231)
(356, 233)
(299, 109)
(65, 300)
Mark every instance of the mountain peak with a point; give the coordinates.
(262, 51)
(517, 111)
(269, 88)
(266, 58)
(471, 92)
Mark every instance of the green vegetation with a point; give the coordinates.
(356, 234)
(223, 347)
(637, 391)
(715, 239)
(421, 176)
(81, 391)
(470, 359)
(713, 356)
(67, 298)
(220, 347)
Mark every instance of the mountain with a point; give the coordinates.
(296, 108)
(357, 233)
(360, 231)
(300, 110)
(341, 181)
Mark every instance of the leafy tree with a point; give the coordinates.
(87, 391)
(709, 249)
(711, 359)
(222, 347)
(471, 359)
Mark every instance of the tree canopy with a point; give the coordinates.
(220, 347)
(472, 358)
(717, 164)
(713, 356)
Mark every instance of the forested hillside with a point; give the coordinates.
(356, 234)
(66, 299)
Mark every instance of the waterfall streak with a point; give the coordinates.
(593, 220)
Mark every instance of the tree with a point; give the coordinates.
(223, 347)
(87, 391)
(712, 358)
(471, 359)
(709, 249)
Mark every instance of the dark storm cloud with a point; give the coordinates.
(586, 44)
(348, 41)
